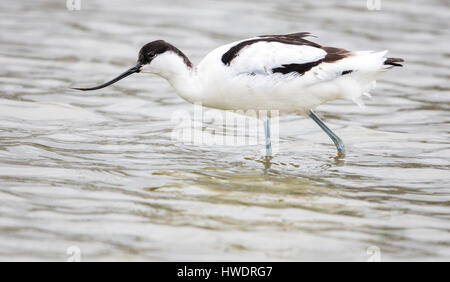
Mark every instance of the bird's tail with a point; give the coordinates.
(394, 62)
(369, 66)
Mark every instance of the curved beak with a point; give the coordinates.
(135, 69)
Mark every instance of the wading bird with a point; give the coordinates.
(287, 73)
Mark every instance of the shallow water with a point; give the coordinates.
(100, 171)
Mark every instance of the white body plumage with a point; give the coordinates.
(248, 82)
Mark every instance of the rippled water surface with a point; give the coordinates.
(100, 171)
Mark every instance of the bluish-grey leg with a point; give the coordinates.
(337, 141)
(268, 142)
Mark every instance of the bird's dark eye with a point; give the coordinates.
(151, 54)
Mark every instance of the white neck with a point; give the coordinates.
(186, 84)
(182, 77)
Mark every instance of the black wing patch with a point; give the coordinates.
(333, 54)
(347, 72)
(298, 68)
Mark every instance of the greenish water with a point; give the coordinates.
(100, 171)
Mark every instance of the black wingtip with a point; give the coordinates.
(394, 62)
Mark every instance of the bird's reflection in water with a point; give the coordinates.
(267, 161)
(339, 159)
